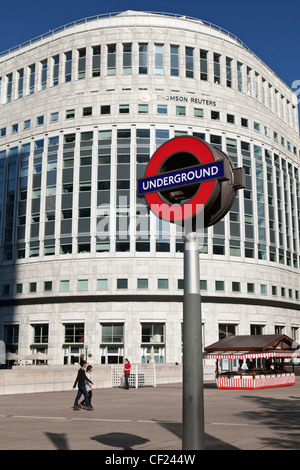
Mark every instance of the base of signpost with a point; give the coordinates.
(193, 409)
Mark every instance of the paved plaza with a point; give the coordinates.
(150, 419)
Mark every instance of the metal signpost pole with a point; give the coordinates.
(176, 168)
(193, 403)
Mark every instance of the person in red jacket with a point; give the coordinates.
(127, 367)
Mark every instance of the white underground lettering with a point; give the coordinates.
(180, 178)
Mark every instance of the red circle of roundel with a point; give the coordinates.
(176, 213)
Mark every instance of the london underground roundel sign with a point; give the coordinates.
(186, 176)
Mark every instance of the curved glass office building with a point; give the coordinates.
(86, 269)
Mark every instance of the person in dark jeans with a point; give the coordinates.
(81, 380)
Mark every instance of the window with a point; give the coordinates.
(143, 59)
(64, 286)
(20, 83)
(198, 112)
(111, 59)
(220, 286)
(162, 109)
(180, 111)
(226, 330)
(228, 72)
(83, 284)
(236, 287)
(105, 109)
(44, 65)
(143, 109)
(55, 62)
(189, 62)
(153, 332)
(127, 69)
(32, 287)
(279, 329)
(11, 334)
(217, 69)
(174, 50)
(102, 284)
(124, 108)
(27, 124)
(31, 79)
(40, 334)
(112, 333)
(5, 289)
(162, 283)
(142, 283)
(203, 65)
(263, 289)
(48, 286)
(68, 66)
(14, 128)
(54, 117)
(244, 122)
(74, 333)
(9, 88)
(256, 329)
(122, 283)
(250, 288)
(112, 340)
(19, 288)
(153, 336)
(88, 111)
(81, 63)
(239, 77)
(39, 120)
(70, 113)
(84, 212)
(230, 118)
(96, 65)
(158, 59)
(215, 115)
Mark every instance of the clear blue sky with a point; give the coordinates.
(270, 28)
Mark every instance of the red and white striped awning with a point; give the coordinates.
(252, 355)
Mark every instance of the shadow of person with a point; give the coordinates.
(120, 440)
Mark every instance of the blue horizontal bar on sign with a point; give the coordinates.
(180, 178)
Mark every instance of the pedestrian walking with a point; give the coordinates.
(127, 367)
(81, 380)
(89, 386)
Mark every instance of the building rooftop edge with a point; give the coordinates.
(140, 13)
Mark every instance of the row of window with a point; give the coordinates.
(200, 64)
(143, 284)
(112, 339)
(74, 333)
(160, 109)
(277, 201)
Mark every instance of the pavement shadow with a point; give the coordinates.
(279, 414)
(210, 442)
(120, 440)
(59, 440)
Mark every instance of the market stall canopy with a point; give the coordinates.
(252, 347)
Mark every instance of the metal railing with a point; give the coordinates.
(138, 14)
(110, 15)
